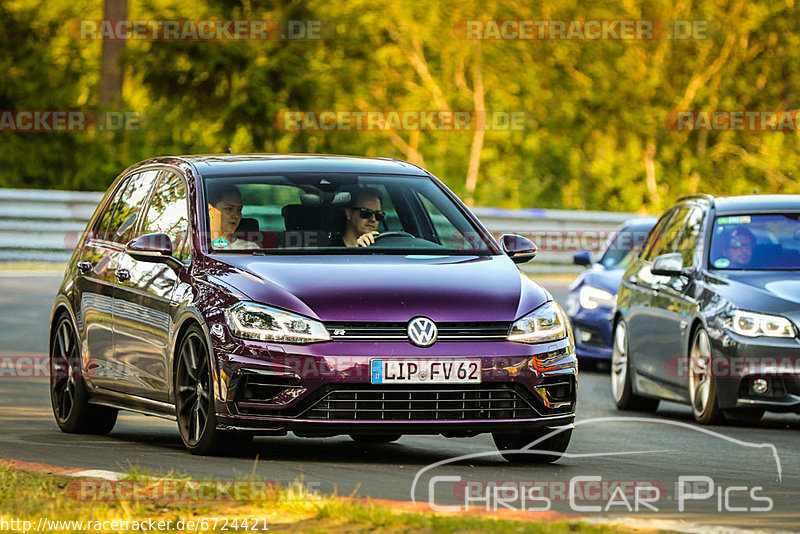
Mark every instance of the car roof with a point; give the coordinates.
(640, 222)
(752, 203)
(248, 164)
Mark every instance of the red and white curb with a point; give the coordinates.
(625, 522)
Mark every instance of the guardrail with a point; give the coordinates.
(38, 225)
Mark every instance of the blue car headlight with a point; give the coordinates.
(263, 323)
(592, 298)
(546, 323)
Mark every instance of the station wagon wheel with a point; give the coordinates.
(68, 394)
(702, 387)
(194, 400)
(621, 371)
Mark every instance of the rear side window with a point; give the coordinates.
(122, 224)
(168, 214)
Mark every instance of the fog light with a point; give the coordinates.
(585, 336)
(759, 386)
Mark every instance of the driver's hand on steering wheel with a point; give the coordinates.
(367, 239)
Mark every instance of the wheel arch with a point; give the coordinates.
(187, 319)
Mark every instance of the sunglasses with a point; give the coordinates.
(366, 213)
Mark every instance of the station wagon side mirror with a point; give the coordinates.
(669, 265)
(153, 248)
(582, 257)
(519, 249)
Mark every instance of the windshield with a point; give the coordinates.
(621, 245)
(333, 214)
(756, 242)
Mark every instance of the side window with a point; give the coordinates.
(168, 214)
(666, 238)
(123, 221)
(101, 227)
(690, 237)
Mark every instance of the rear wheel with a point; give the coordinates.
(194, 400)
(374, 438)
(702, 386)
(548, 450)
(621, 375)
(68, 393)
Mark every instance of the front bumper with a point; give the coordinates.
(325, 389)
(739, 360)
(593, 333)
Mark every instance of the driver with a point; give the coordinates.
(363, 217)
(739, 247)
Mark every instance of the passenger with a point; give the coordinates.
(739, 245)
(363, 217)
(225, 214)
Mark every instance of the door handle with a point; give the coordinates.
(84, 266)
(122, 275)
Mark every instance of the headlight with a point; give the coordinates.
(592, 297)
(255, 321)
(752, 324)
(545, 323)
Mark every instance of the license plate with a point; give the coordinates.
(425, 371)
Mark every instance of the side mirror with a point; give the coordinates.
(582, 257)
(153, 248)
(520, 249)
(669, 265)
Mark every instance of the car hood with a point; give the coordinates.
(765, 291)
(601, 278)
(384, 288)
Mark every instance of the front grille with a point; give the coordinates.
(483, 331)
(404, 403)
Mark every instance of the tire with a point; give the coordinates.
(702, 385)
(621, 375)
(556, 445)
(194, 400)
(749, 416)
(68, 394)
(374, 438)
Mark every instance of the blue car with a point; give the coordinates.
(590, 304)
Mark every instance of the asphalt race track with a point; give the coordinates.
(737, 469)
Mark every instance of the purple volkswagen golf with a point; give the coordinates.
(252, 295)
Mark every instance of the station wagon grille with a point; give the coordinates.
(480, 331)
(488, 402)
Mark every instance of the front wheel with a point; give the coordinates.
(194, 400)
(548, 450)
(702, 386)
(621, 375)
(68, 393)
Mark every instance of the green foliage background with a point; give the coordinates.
(596, 109)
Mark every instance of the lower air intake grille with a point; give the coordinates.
(404, 403)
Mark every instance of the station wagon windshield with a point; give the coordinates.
(756, 242)
(327, 213)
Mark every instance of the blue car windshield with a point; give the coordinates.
(756, 242)
(623, 246)
(331, 213)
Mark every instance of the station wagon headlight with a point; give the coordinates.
(545, 323)
(263, 323)
(751, 324)
(592, 298)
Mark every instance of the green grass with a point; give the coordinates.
(29, 495)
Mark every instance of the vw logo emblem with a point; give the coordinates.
(422, 331)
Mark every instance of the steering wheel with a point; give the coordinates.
(393, 234)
